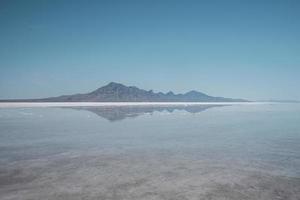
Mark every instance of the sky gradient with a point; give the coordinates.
(240, 49)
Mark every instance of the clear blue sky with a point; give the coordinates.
(248, 49)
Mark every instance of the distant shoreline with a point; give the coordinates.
(100, 104)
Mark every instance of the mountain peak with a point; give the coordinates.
(170, 93)
(114, 84)
(110, 86)
(194, 92)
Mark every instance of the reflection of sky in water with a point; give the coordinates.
(261, 135)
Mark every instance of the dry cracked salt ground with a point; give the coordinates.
(141, 176)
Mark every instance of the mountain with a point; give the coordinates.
(116, 92)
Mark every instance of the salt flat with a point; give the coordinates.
(246, 151)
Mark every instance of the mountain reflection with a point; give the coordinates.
(113, 113)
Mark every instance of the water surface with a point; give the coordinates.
(151, 152)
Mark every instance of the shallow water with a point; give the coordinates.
(151, 152)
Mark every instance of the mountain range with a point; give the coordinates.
(117, 92)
